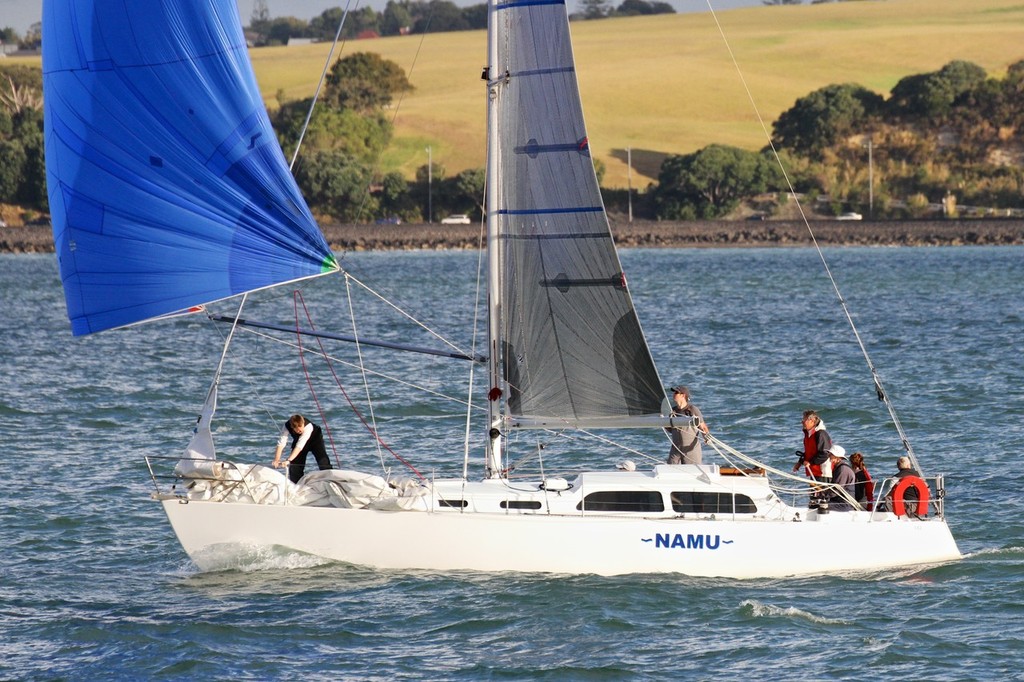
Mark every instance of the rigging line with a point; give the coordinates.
(481, 235)
(319, 86)
(805, 486)
(568, 435)
(297, 297)
(879, 389)
(362, 372)
(355, 409)
(245, 375)
(621, 446)
(227, 343)
(382, 375)
(403, 313)
(398, 105)
(220, 365)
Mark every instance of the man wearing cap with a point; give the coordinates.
(685, 440)
(842, 476)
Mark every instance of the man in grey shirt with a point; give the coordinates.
(685, 438)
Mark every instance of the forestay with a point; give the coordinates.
(167, 186)
(572, 347)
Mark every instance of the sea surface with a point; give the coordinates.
(94, 586)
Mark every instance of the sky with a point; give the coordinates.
(20, 14)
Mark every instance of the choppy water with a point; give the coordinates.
(94, 586)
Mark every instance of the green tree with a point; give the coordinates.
(337, 185)
(8, 36)
(364, 81)
(12, 168)
(363, 136)
(325, 26)
(260, 17)
(360, 22)
(931, 96)
(282, 29)
(22, 166)
(465, 192)
(395, 18)
(476, 16)
(28, 128)
(439, 16)
(395, 198)
(595, 9)
(711, 182)
(34, 38)
(642, 7)
(824, 117)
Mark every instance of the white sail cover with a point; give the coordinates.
(572, 347)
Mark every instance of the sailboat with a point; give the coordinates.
(169, 192)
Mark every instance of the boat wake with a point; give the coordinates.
(1012, 550)
(757, 609)
(249, 558)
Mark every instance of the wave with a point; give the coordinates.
(758, 609)
(995, 550)
(251, 558)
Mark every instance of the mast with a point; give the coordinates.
(497, 387)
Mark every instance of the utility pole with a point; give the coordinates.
(629, 180)
(871, 183)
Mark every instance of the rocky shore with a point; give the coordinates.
(644, 234)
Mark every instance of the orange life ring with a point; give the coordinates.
(898, 507)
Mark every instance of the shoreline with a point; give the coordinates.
(644, 234)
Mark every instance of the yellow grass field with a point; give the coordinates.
(667, 84)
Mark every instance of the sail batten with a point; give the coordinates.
(553, 211)
(570, 342)
(167, 186)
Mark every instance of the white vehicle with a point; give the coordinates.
(850, 216)
(456, 219)
(563, 350)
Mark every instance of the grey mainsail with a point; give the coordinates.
(572, 347)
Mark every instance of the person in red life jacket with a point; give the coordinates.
(816, 445)
(306, 437)
(864, 491)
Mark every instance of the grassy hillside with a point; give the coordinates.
(667, 84)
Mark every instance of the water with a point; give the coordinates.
(94, 586)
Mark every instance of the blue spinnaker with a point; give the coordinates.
(167, 186)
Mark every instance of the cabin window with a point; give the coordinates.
(520, 504)
(711, 503)
(644, 501)
(454, 504)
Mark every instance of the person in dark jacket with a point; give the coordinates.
(843, 476)
(865, 489)
(306, 437)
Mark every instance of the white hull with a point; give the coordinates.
(451, 539)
